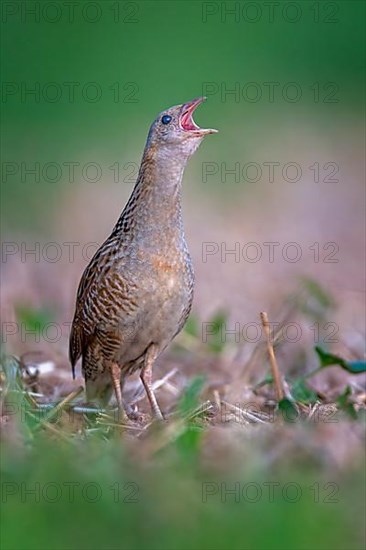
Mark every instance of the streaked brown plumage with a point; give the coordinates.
(136, 293)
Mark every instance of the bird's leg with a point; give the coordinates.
(116, 379)
(146, 378)
(131, 413)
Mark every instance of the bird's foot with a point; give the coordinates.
(134, 414)
(137, 416)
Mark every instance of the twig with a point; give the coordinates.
(87, 410)
(53, 412)
(272, 358)
(123, 425)
(50, 428)
(249, 417)
(204, 407)
(217, 400)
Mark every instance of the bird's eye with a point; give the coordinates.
(166, 119)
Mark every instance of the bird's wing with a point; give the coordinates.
(77, 335)
(105, 295)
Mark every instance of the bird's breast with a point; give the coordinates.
(170, 277)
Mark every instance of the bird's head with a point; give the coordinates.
(175, 131)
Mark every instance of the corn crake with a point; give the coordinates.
(136, 293)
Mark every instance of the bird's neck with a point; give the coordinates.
(160, 175)
(155, 203)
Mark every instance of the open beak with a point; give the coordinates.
(186, 119)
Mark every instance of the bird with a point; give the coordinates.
(136, 293)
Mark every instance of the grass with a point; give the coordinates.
(93, 495)
(218, 474)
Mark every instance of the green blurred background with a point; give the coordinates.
(163, 53)
(143, 57)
